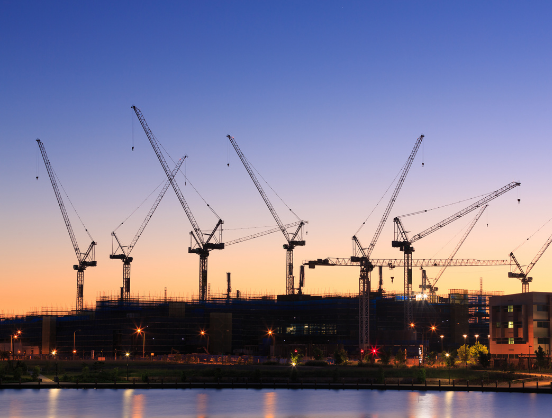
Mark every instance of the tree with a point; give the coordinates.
(542, 358)
(484, 359)
(340, 356)
(450, 359)
(317, 353)
(385, 356)
(476, 350)
(400, 357)
(464, 354)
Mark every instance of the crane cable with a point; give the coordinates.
(140, 205)
(67, 196)
(282, 200)
(442, 206)
(186, 178)
(381, 198)
(531, 236)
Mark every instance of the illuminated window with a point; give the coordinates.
(510, 308)
(511, 324)
(510, 340)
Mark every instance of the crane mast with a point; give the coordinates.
(125, 256)
(363, 256)
(85, 259)
(402, 242)
(523, 276)
(291, 239)
(198, 244)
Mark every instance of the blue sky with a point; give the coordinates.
(325, 98)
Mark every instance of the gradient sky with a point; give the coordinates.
(326, 100)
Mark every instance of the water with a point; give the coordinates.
(212, 403)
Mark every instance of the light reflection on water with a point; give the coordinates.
(211, 403)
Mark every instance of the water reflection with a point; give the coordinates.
(225, 403)
(201, 405)
(269, 404)
(53, 402)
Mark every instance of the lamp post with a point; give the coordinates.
(476, 338)
(204, 334)
(448, 355)
(74, 345)
(54, 353)
(529, 358)
(142, 331)
(272, 335)
(127, 355)
(442, 336)
(13, 337)
(466, 347)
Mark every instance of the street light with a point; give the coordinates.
(142, 331)
(74, 345)
(204, 334)
(529, 358)
(127, 355)
(466, 348)
(448, 364)
(54, 353)
(476, 338)
(272, 335)
(442, 336)
(13, 337)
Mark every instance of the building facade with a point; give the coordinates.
(519, 324)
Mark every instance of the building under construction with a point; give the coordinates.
(254, 325)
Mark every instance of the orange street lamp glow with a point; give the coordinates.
(54, 352)
(412, 325)
(127, 354)
(433, 327)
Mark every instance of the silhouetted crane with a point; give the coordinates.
(85, 259)
(291, 238)
(523, 275)
(124, 256)
(363, 256)
(404, 243)
(198, 244)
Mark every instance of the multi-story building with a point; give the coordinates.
(519, 324)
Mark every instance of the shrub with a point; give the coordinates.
(422, 375)
(145, 377)
(183, 375)
(35, 373)
(17, 373)
(317, 353)
(340, 356)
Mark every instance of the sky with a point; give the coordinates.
(325, 99)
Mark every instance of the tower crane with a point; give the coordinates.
(125, 251)
(431, 286)
(86, 259)
(293, 239)
(523, 275)
(404, 243)
(198, 243)
(362, 255)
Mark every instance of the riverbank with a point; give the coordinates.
(521, 387)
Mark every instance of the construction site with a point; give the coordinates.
(268, 325)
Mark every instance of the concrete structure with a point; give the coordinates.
(519, 324)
